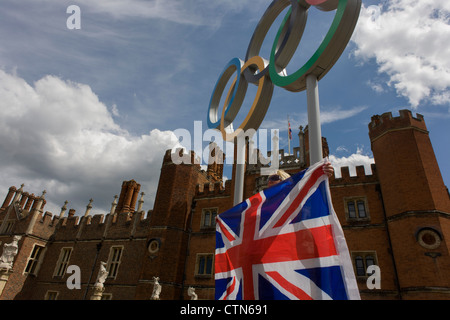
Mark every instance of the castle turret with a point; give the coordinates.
(409, 171)
(416, 203)
(170, 224)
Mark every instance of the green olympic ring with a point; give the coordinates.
(283, 49)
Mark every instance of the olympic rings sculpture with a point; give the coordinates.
(265, 74)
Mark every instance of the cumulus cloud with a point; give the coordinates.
(352, 161)
(57, 135)
(409, 41)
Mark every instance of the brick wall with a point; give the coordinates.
(403, 195)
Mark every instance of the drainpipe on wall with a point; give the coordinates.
(194, 203)
(397, 280)
(99, 246)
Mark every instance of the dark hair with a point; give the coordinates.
(274, 177)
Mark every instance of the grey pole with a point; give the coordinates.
(240, 169)
(315, 132)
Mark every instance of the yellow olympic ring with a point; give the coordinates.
(260, 103)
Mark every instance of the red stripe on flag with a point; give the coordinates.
(227, 234)
(316, 174)
(296, 291)
(303, 244)
(230, 289)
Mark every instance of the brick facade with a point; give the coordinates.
(398, 215)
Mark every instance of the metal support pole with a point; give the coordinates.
(289, 137)
(315, 132)
(240, 170)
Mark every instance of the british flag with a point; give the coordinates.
(284, 242)
(290, 131)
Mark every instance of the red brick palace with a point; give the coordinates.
(397, 217)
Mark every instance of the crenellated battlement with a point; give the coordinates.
(123, 221)
(360, 177)
(178, 156)
(45, 225)
(100, 226)
(207, 190)
(379, 125)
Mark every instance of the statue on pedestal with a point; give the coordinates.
(192, 294)
(10, 250)
(98, 286)
(156, 289)
(102, 275)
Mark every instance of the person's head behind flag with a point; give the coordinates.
(282, 175)
(279, 176)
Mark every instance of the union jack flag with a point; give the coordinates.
(290, 131)
(284, 242)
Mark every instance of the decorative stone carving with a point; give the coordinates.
(156, 289)
(192, 294)
(98, 286)
(10, 250)
(102, 275)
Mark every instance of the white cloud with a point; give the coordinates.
(115, 110)
(352, 161)
(337, 113)
(409, 40)
(327, 115)
(377, 87)
(341, 149)
(57, 135)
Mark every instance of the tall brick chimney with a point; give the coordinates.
(128, 196)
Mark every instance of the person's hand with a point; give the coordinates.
(328, 169)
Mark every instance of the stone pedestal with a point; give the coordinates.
(4, 277)
(98, 292)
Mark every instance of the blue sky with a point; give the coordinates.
(82, 110)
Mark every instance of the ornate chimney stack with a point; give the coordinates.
(9, 196)
(35, 212)
(128, 196)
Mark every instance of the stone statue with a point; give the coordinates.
(156, 289)
(10, 250)
(192, 294)
(102, 275)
